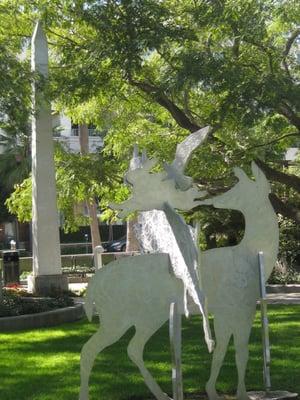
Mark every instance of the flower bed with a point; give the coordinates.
(16, 301)
(20, 310)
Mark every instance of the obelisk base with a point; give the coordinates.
(48, 285)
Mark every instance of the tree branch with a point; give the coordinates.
(292, 181)
(287, 49)
(285, 110)
(236, 41)
(268, 143)
(290, 41)
(179, 116)
(67, 39)
(264, 49)
(286, 210)
(236, 47)
(280, 207)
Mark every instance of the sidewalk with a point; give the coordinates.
(283, 298)
(281, 294)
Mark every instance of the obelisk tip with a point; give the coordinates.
(38, 33)
(39, 57)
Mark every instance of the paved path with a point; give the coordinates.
(273, 298)
(283, 298)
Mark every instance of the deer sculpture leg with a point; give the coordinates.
(134, 291)
(222, 336)
(98, 342)
(241, 340)
(135, 352)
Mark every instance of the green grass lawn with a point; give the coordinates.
(44, 364)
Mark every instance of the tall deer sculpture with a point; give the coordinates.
(138, 291)
(231, 275)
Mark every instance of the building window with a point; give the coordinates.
(74, 130)
(91, 128)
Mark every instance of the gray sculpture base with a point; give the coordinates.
(272, 395)
(46, 285)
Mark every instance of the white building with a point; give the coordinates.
(67, 134)
(291, 154)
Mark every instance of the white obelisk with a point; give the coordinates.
(47, 273)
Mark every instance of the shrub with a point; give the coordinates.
(14, 303)
(283, 274)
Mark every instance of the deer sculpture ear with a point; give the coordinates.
(135, 161)
(240, 174)
(260, 177)
(144, 156)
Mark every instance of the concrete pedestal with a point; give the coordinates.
(48, 285)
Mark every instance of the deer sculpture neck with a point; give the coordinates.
(251, 197)
(261, 231)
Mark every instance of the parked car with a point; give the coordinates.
(115, 245)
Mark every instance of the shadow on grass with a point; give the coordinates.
(44, 364)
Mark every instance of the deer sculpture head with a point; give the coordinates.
(245, 193)
(151, 190)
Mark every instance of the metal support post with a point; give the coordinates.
(175, 339)
(265, 323)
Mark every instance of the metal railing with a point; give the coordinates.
(74, 263)
(75, 132)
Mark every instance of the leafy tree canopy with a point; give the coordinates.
(158, 70)
(151, 72)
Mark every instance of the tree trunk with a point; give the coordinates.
(285, 209)
(290, 180)
(84, 139)
(91, 205)
(132, 244)
(94, 226)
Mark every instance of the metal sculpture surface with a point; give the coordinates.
(231, 274)
(138, 291)
(132, 291)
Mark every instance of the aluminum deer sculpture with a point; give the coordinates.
(230, 278)
(230, 274)
(138, 291)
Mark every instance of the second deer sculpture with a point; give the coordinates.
(231, 274)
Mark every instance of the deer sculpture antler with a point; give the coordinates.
(183, 154)
(151, 190)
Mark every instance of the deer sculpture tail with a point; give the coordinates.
(89, 300)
